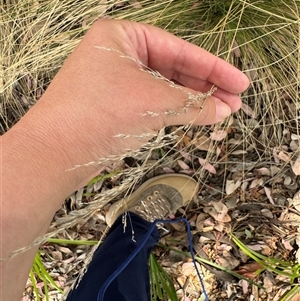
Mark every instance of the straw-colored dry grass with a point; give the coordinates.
(260, 37)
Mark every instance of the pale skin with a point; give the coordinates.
(96, 95)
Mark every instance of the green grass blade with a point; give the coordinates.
(34, 285)
(45, 275)
(72, 242)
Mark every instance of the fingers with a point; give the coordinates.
(212, 111)
(188, 64)
(172, 106)
(231, 99)
(174, 57)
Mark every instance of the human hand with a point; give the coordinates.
(98, 94)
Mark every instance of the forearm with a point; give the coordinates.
(35, 157)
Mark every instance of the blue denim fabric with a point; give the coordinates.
(133, 283)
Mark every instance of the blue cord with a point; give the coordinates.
(115, 274)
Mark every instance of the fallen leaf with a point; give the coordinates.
(64, 250)
(294, 145)
(234, 141)
(274, 170)
(284, 157)
(224, 247)
(298, 251)
(256, 182)
(266, 250)
(218, 135)
(182, 164)
(275, 156)
(188, 269)
(168, 170)
(248, 111)
(227, 260)
(250, 270)
(187, 171)
(262, 171)
(69, 260)
(220, 226)
(207, 166)
(218, 212)
(231, 186)
(183, 139)
(268, 285)
(295, 137)
(185, 155)
(267, 213)
(296, 201)
(296, 167)
(239, 152)
(200, 220)
(256, 247)
(245, 286)
(287, 245)
(268, 194)
(202, 143)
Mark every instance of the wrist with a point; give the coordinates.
(39, 150)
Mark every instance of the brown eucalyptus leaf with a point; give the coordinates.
(256, 182)
(268, 285)
(200, 221)
(239, 152)
(298, 251)
(227, 260)
(268, 194)
(182, 165)
(202, 143)
(294, 145)
(234, 141)
(188, 268)
(249, 270)
(207, 166)
(231, 186)
(275, 156)
(264, 171)
(186, 155)
(296, 166)
(287, 245)
(219, 212)
(287, 181)
(296, 201)
(248, 111)
(284, 156)
(267, 213)
(168, 170)
(64, 250)
(218, 135)
(295, 137)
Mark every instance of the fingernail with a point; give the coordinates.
(222, 109)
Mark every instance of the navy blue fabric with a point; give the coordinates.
(133, 283)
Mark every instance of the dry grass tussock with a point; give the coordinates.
(245, 163)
